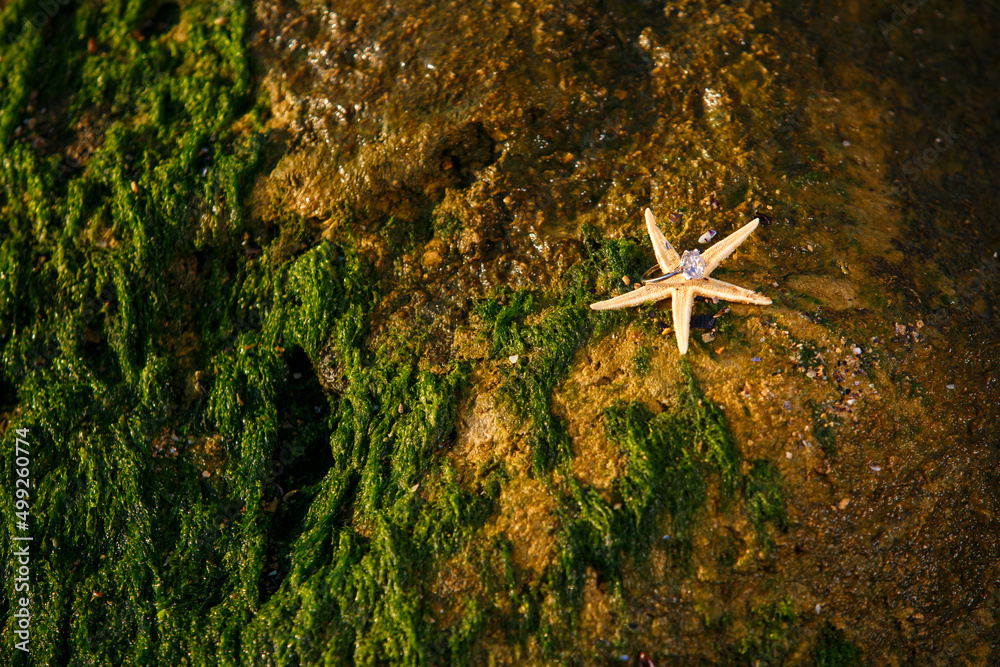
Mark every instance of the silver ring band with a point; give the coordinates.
(646, 279)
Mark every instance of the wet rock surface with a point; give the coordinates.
(491, 134)
(329, 264)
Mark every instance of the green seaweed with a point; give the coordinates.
(768, 638)
(506, 322)
(642, 361)
(808, 355)
(833, 649)
(604, 263)
(824, 428)
(303, 532)
(765, 499)
(671, 454)
(549, 346)
(665, 471)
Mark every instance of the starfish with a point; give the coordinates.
(691, 280)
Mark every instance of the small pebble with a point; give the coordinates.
(513, 358)
(206, 474)
(788, 455)
(626, 280)
(844, 503)
(707, 338)
(755, 359)
(856, 350)
(819, 608)
(811, 374)
(876, 468)
(950, 386)
(401, 409)
(414, 488)
(846, 143)
(135, 187)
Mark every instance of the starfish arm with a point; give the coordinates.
(666, 256)
(724, 248)
(717, 289)
(634, 298)
(683, 302)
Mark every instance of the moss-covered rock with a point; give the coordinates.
(295, 335)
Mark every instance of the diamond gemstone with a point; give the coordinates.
(693, 265)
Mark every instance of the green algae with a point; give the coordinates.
(322, 513)
(833, 649)
(765, 499)
(85, 325)
(768, 639)
(562, 325)
(641, 361)
(663, 473)
(670, 457)
(506, 322)
(549, 345)
(826, 435)
(808, 354)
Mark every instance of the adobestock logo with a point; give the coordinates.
(900, 16)
(38, 20)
